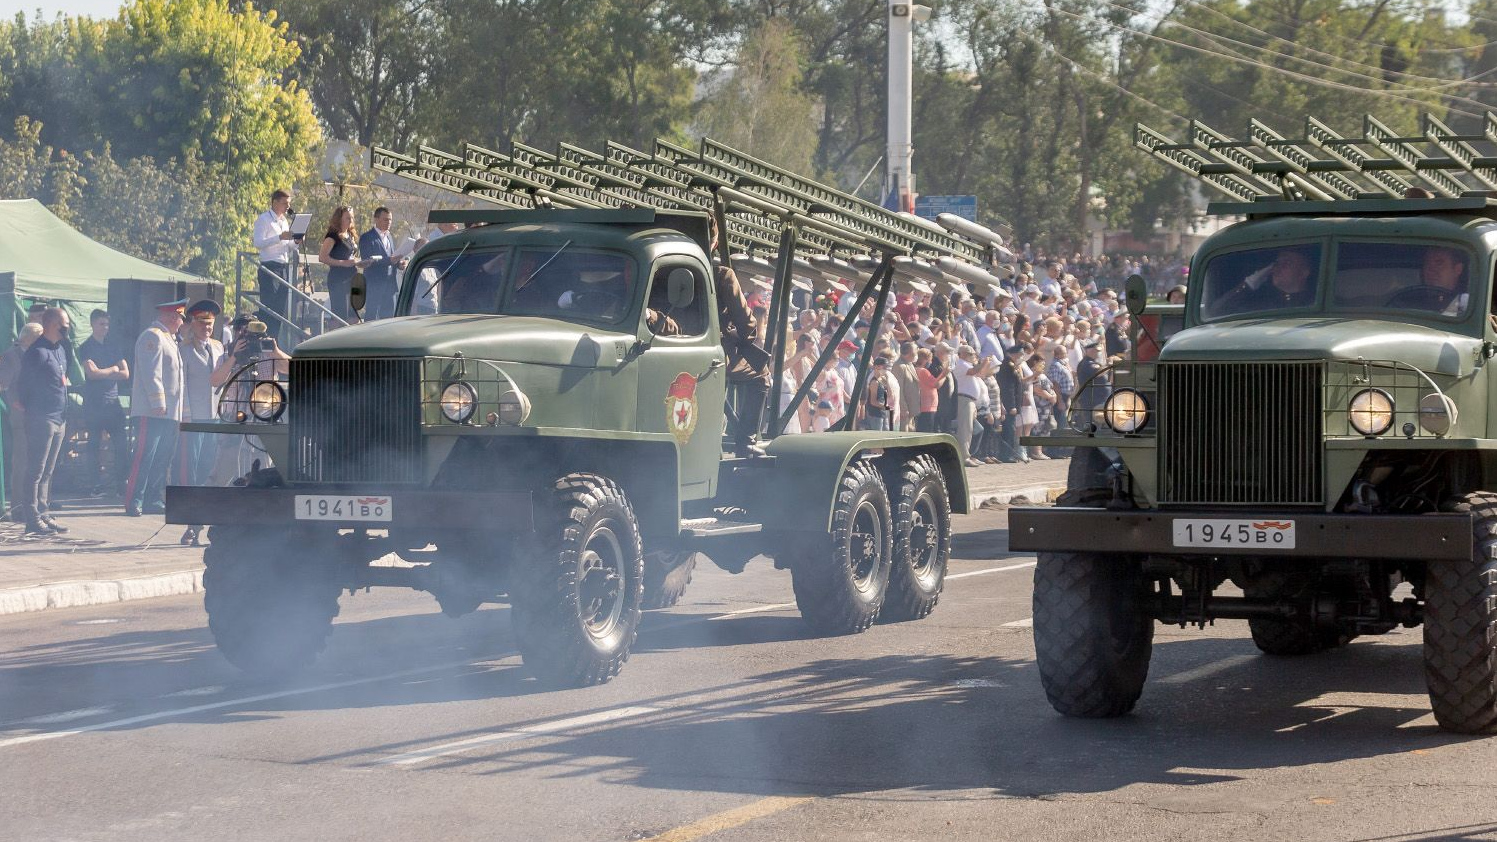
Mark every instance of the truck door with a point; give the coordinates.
(681, 376)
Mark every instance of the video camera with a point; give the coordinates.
(258, 341)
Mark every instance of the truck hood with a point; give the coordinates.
(1430, 349)
(521, 339)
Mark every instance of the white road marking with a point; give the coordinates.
(968, 683)
(212, 690)
(354, 682)
(228, 703)
(538, 729)
(65, 716)
(757, 609)
(988, 570)
(103, 622)
(1026, 623)
(1206, 670)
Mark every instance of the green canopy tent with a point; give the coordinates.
(44, 259)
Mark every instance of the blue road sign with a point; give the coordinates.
(963, 206)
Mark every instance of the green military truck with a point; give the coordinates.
(1320, 435)
(532, 439)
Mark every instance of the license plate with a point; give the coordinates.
(1267, 534)
(344, 507)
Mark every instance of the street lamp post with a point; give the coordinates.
(900, 184)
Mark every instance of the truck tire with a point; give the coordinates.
(270, 612)
(666, 578)
(578, 593)
(1092, 635)
(922, 540)
(1460, 626)
(842, 594)
(1086, 479)
(1285, 637)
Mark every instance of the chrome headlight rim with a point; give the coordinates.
(1438, 413)
(267, 401)
(513, 407)
(458, 401)
(1373, 414)
(1129, 420)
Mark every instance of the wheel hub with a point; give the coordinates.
(600, 584)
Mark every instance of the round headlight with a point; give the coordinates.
(513, 407)
(1126, 411)
(267, 400)
(458, 402)
(1437, 413)
(1371, 412)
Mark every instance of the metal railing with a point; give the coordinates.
(308, 317)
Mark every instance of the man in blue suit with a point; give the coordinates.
(381, 277)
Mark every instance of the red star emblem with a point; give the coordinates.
(682, 413)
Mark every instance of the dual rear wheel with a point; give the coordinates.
(885, 555)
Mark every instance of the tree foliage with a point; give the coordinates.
(189, 81)
(366, 64)
(1029, 104)
(161, 214)
(759, 103)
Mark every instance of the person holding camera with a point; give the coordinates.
(156, 406)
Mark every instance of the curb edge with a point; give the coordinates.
(105, 592)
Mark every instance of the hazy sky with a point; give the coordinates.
(51, 8)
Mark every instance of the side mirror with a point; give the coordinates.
(1136, 295)
(358, 292)
(680, 288)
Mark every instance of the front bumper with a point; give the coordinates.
(503, 511)
(1443, 537)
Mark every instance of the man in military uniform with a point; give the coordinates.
(202, 357)
(748, 363)
(1287, 283)
(156, 406)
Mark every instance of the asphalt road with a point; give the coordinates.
(729, 723)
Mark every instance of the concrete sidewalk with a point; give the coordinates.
(107, 557)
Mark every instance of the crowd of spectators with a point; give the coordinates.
(987, 365)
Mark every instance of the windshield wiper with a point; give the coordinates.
(541, 268)
(442, 277)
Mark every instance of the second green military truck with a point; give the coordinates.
(536, 438)
(1316, 451)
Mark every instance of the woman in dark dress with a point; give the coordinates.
(339, 252)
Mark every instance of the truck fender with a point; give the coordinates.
(799, 494)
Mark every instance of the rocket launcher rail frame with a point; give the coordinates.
(1326, 166)
(759, 207)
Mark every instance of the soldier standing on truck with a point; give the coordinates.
(748, 364)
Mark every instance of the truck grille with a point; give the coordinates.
(355, 421)
(1240, 433)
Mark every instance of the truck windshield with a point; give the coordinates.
(563, 282)
(1401, 277)
(1392, 278)
(465, 282)
(571, 283)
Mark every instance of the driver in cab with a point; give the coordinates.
(1443, 274)
(598, 293)
(1286, 283)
